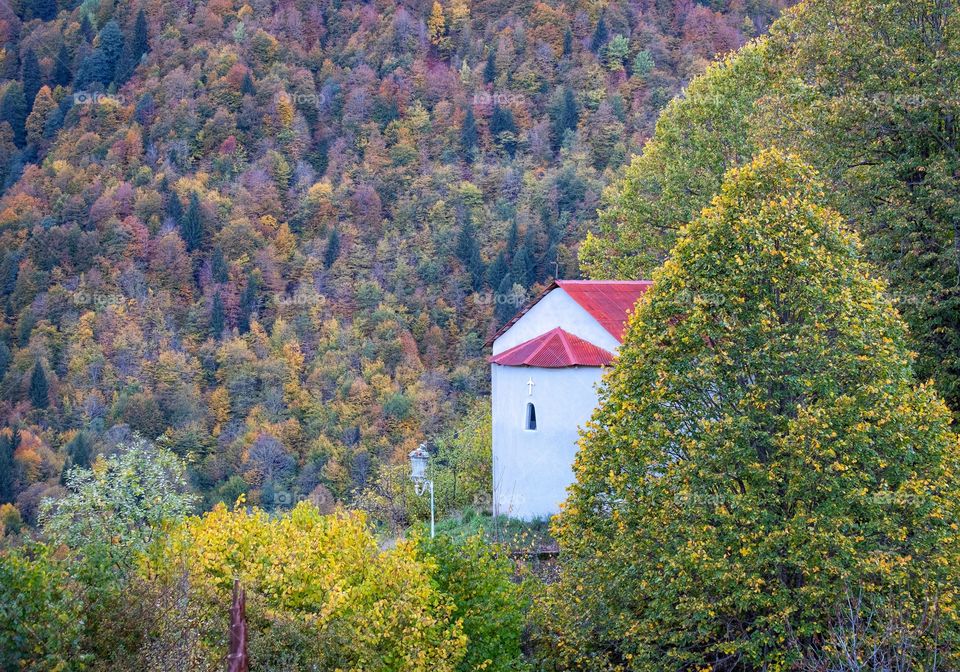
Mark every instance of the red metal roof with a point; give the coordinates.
(609, 301)
(554, 350)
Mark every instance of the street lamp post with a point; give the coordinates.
(419, 459)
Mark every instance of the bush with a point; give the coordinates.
(318, 579)
(41, 623)
(491, 606)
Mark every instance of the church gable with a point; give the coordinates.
(592, 311)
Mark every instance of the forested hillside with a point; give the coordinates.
(274, 236)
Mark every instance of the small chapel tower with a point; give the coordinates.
(544, 369)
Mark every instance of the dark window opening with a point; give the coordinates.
(531, 417)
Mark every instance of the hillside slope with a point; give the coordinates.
(276, 235)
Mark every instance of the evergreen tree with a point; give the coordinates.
(86, 28)
(468, 135)
(249, 301)
(80, 451)
(501, 119)
(513, 238)
(191, 225)
(13, 110)
(140, 40)
(567, 42)
(39, 388)
(105, 63)
(498, 269)
(218, 266)
(503, 308)
(534, 273)
(96, 68)
(468, 251)
(490, 68)
(217, 316)
(111, 41)
(565, 116)
(333, 248)
(761, 465)
(45, 10)
(5, 358)
(600, 36)
(503, 128)
(8, 445)
(522, 268)
(136, 46)
(61, 67)
(247, 86)
(32, 78)
(174, 208)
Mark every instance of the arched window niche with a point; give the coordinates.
(530, 422)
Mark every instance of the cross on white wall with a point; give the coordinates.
(530, 385)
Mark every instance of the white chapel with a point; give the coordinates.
(544, 368)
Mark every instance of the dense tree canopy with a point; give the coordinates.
(761, 453)
(865, 91)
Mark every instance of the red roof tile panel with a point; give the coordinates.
(554, 350)
(609, 301)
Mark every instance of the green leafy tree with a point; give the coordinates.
(491, 607)
(698, 137)
(39, 388)
(616, 52)
(42, 621)
(759, 452)
(113, 512)
(643, 64)
(863, 95)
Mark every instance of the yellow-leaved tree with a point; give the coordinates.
(764, 486)
(321, 594)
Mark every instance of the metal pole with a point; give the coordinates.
(431, 508)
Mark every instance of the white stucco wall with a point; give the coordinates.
(532, 469)
(556, 309)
